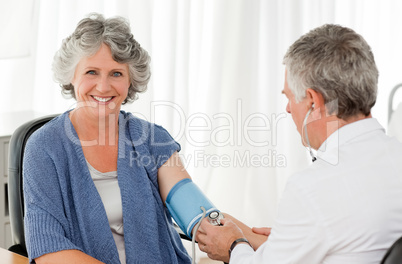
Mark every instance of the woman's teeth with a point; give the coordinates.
(102, 99)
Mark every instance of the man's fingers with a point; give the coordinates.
(202, 247)
(226, 221)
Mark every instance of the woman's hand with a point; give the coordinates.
(68, 257)
(266, 231)
(256, 238)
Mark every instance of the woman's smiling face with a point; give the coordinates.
(101, 84)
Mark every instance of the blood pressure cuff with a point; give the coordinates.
(184, 203)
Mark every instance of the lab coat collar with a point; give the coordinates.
(329, 150)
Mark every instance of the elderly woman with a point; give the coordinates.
(96, 178)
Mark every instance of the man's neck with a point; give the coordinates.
(330, 124)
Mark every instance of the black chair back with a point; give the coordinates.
(394, 253)
(15, 188)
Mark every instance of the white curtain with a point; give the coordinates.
(216, 84)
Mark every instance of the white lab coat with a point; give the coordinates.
(345, 208)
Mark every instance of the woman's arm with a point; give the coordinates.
(254, 237)
(170, 173)
(67, 257)
(173, 171)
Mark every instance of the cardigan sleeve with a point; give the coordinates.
(161, 145)
(45, 222)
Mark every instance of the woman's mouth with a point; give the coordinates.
(102, 99)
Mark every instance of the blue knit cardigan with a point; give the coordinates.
(63, 209)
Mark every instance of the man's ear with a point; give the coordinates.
(316, 103)
(315, 99)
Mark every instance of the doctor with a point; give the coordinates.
(346, 207)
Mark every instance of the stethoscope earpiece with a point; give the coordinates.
(306, 133)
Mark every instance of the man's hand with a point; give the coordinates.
(216, 240)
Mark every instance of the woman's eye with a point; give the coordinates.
(91, 72)
(117, 74)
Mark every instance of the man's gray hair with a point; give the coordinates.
(89, 35)
(339, 64)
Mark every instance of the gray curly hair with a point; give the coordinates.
(86, 40)
(339, 64)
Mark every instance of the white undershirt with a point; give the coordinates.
(109, 191)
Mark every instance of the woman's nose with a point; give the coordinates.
(103, 85)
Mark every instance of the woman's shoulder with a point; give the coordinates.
(138, 124)
(144, 132)
(50, 132)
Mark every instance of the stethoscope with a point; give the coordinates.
(304, 128)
